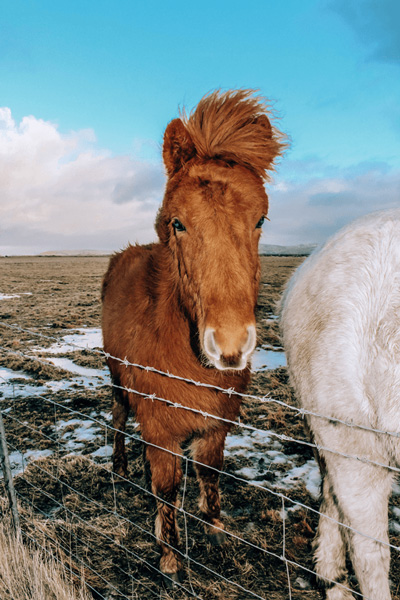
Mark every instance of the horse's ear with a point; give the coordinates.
(178, 147)
(264, 122)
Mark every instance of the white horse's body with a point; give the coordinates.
(341, 330)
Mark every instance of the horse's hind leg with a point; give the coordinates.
(330, 553)
(362, 491)
(209, 450)
(120, 411)
(166, 475)
(359, 495)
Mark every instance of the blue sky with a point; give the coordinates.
(87, 89)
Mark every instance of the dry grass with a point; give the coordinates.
(27, 573)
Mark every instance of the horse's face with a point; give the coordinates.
(211, 221)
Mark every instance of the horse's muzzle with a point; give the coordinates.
(226, 353)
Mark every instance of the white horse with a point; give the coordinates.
(340, 321)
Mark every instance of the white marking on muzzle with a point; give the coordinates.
(213, 351)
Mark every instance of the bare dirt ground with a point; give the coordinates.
(104, 532)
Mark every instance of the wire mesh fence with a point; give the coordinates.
(101, 523)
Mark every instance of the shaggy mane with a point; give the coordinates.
(234, 126)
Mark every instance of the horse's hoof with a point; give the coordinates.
(172, 580)
(217, 539)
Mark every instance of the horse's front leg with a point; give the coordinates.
(166, 475)
(120, 412)
(208, 451)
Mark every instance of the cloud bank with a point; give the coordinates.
(307, 208)
(60, 192)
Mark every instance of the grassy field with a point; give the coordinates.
(69, 499)
(29, 573)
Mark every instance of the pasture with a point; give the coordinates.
(57, 421)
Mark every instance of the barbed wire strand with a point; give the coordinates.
(176, 405)
(34, 464)
(220, 472)
(59, 561)
(191, 559)
(299, 410)
(78, 558)
(271, 554)
(100, 505)
(87, 524)
(281, 437)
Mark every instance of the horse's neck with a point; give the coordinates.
(168, 309)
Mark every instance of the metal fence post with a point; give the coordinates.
(5, 465)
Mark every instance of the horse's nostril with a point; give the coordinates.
(232, 360)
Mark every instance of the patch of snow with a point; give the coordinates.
(294, 508)
(303, 584)
(7, 374)
(264, 453)
(69, 365)
(73, 446)
(308, 473)
(277, 458)
(237, 441)
(87, 337)
(103, 452)
(17, 463)
(85, 430)
(9, 296)
(263, 360)
(9, 388)
(18, 460)
(246, 446)
(249, 473)
(394, 526)
(66, 384)
(107, 416)
(35, 454)
(396, 488)
(245, 442)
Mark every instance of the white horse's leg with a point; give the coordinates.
(330, 554)
(361, 492)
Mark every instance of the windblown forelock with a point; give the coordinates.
(234, 127)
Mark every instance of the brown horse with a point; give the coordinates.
(186, 304)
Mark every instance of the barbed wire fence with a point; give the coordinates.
(33, 498)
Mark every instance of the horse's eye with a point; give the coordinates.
(260, 223)
(178, 226)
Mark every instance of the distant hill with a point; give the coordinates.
(264, 250)
(299, 250)
(75, 253)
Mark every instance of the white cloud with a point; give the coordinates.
(58, 191)
(310, 209)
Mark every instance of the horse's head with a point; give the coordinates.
(211, 218)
